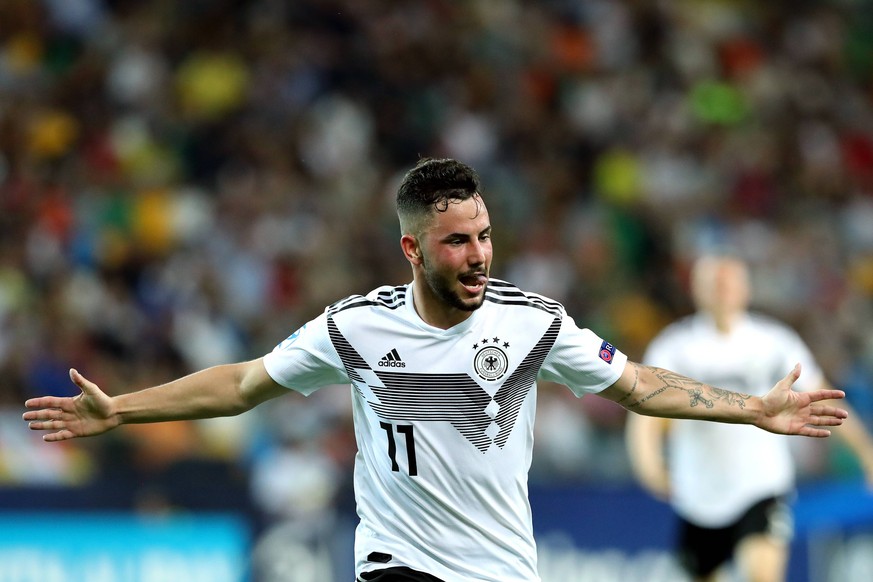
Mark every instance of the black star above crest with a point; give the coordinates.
(493, 341)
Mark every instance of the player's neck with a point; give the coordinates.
(434, 311)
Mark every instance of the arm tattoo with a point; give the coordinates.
(633, 388)
(698, 392)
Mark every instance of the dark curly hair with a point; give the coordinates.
(432, 185)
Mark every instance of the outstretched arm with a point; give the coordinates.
(658, 392)
(218, 391)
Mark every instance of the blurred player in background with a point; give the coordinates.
(443, 373)
(729, 485)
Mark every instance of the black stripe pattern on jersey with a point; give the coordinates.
(515, 389)
(454, 398)
(504, 293)
(391, 298)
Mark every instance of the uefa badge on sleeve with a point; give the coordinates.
(607, 352)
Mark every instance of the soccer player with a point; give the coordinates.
(443, 377)
(728, 484)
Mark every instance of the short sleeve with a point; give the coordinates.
(306, 360)
(581, 360)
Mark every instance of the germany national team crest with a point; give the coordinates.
(491, 362)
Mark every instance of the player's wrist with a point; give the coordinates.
(755, 408)
(120, 412)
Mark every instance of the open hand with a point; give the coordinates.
(787, 411)
(88, 414)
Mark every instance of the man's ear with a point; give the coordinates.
(411, 248)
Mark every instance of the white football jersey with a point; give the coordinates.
(444, 421)
(719, 470)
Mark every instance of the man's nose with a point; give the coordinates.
(477, 253)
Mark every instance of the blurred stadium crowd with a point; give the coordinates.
(184, 183)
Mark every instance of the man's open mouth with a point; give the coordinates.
(474, 282)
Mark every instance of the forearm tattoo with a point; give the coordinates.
(698, 392)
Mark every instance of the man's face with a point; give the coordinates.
(456, 254)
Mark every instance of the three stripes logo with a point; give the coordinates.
(392, 360)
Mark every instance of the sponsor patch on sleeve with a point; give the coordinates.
(607, 352)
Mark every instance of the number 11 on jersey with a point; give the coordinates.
(405, 429)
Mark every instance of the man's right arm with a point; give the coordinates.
(223, 390)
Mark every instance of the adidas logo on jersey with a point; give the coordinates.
(392, 360)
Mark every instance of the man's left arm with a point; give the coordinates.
(658, 392)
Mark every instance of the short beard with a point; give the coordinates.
(441, 287)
